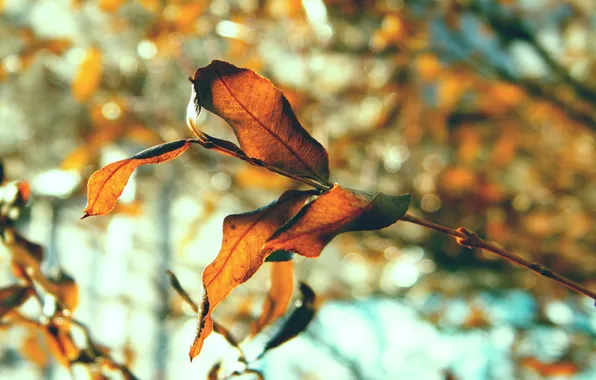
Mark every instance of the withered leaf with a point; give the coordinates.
(261, 117)
(297, 322)
(106, 185)
(336, 211)
(240, 255)
(60, 343)
(12, 297)
(64, 288)
(278, 298)
(25, 255)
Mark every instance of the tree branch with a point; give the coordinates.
(470, 239)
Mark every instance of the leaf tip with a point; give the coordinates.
(86, 215)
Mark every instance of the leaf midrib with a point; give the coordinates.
(108, 178)
(266, 128)
(351, 217)
(250, 228)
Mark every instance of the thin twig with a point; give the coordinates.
(232, 150)
(470, 239)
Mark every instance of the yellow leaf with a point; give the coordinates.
(428, 66)
(88, 76)
(110, 5)
(280, 293)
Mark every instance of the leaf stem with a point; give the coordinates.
(470, 239)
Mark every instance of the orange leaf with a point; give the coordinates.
(261, 117)
(26, 256)
(336, 211)
(88, 77)
(240, 255)
(280, 293)
(106, 185)
(110, 5)
(60, 343)
(12, 297)
(547, 370)
(32, 350)
(65, 289)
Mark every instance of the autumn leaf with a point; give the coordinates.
(65, 289)
(278, 298)
(60, 343)
(262, 119)
(110, 6)
(12, 297)
(240, 255)
(297, 322)
(32, 350)
(26, 256)
(336, 211)
(106, 185)
(562, 369)
(88, 76)
(14, 196)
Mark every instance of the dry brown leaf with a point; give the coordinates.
(60, 343)
(26, 256)
(240, 255)
(336, 211)
(278, 298)
(13, 296)
(106, 185)
(261, 118)
(65, 289)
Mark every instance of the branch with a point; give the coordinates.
(470, 239)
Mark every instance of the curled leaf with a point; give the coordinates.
(240, 255)
(261, 117)
(297, 322)
(60, 343)
(25, 255)
(279, 256)
(65, 289)
(278, 298)
(12, 297)
(336, 211)
(106, 185)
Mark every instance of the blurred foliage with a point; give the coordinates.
(483, 110)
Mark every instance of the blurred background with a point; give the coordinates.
(483, 110)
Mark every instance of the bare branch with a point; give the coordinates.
(470, 239)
